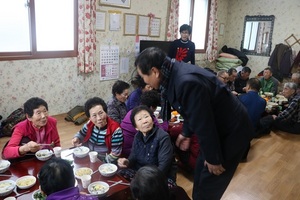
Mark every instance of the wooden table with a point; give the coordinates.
(32, 166)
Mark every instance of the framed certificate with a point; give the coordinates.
(130, 24)
(100, 20)
(154, 27)
(143, 25)
(117, 3)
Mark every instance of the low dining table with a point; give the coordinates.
(32, 166)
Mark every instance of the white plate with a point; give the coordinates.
(98, 188)
(25, 182)
(33, 194)
(82, 171)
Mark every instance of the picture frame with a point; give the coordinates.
(143, 25)
(116, 3)
(130, 24)
(155, 24)
(100, 20)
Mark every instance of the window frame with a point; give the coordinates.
(207, 25)
(33, 53)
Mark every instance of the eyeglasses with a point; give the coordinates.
(125, 94)
(225, 78)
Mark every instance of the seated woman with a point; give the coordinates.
(134, 98)
(289, 119)
(116, 106)
(100, 133)
(150, 183)
(30, 135)
(57, 181)
(150, 99)
(151, 145)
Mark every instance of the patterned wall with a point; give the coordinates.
(57, 81)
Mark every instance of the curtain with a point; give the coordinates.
(172, 32)
(212, 43)
(86, 60)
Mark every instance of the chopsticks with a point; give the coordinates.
(117, 182)
(6, 175)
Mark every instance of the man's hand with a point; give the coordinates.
(183, 142)
(214, 169)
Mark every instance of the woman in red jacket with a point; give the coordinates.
(30, 135)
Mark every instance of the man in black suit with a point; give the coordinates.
(209, 110)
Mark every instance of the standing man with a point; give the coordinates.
(268, 82)
(183, 49)
(209, 110)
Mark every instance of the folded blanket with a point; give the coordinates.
(227, 63)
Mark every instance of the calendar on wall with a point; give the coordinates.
(109, 62)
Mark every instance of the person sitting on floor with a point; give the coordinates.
(57, 181)
(289, 119)
(268, 82)
(296, 79)
(254, 104)
(223, 76)
(150, 99)
(150, 183)
(151, 145)
(241, 80)
(28, 135)
(116, 107)
(100, 133)
(134, 98)
(232, 74)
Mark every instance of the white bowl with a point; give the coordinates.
(40, 195)
(98, 188)
(108, 169)
(6, 187)
(25, 182)
(4, 165)
(44, 154)
(81, 152)
(82, 171)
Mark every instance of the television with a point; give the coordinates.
(164, 45)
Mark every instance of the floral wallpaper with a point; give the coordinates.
(57, 80)
(286, 23)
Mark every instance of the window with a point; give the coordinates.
(196, 14)
(38, 29)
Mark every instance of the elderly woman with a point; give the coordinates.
(116, 106)
(100, 133)
(57, 181)
(34, 132)
(134, 98)
(151, 145)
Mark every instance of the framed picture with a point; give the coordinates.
(100, 20)
(143, 25)
(130, 24)
(154, 27)
(117, 3)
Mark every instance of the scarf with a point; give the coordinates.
(111, 127)
(166, 70)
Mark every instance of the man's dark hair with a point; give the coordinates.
(150, 57)
(246, 70)
(254, 84)
(137, 110)
(185, 27)
(149, 183)
(119, 86)
(56, 175)
(268, 68)
(150, 98)
(231, 70)
(92, 102)
(34, 103)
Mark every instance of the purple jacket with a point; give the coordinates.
(70, 194)
(129, 132)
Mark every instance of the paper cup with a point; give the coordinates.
(93, 156)
(86, 180)
(57, 151)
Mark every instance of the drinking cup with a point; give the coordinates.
(86, 180)
(93, 156)
(57, 151)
